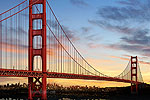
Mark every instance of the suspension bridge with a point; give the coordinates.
(34, 44)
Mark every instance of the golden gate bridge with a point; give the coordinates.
(34, 44)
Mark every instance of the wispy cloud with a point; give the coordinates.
(93, 45)
(112, 27)
(130, 19)
(88, 35)
(134, 10)
(86, 29)
(12, 48)
(140, 37)
(70, 33)
(128, 58)
(80, 3)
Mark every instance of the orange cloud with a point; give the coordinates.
(22, 49)
(123, 58)
(143, 62)
(13, 48)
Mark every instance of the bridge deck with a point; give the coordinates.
(25, 73)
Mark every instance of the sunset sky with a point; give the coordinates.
(106, 32)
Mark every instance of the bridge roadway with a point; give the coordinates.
(25, 73)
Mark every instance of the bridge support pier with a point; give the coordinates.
(30, 80)
(44, 91)
(134, 83)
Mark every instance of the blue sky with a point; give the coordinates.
(97, 17)
(106, 32)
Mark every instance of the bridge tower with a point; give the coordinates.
(37, 85)
(134, 86)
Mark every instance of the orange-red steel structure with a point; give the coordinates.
(134, 64)
(23, 73)
(37, 88)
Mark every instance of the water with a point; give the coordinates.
(56, 98)
(52, 99)
(131, 97)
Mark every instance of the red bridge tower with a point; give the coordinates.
(134, 86)
(37, 85)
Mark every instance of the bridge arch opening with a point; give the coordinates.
(37, 42)
(37, 24)
(37, 9)
(37, 63)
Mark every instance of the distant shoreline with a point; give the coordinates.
(75, 92)
(103, 93)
